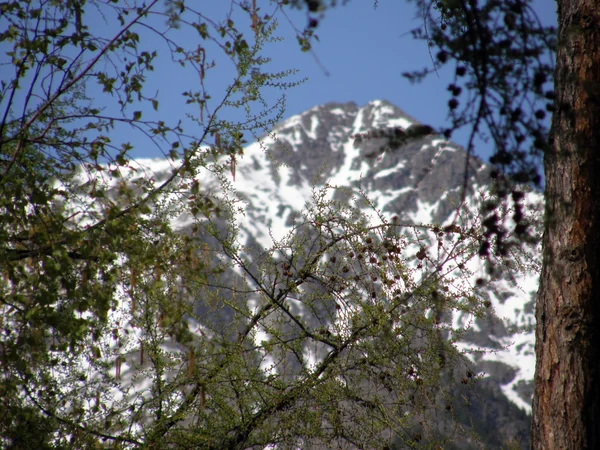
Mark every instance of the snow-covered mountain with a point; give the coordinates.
(407, 172)
(420, 180)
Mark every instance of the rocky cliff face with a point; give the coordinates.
(373, 147)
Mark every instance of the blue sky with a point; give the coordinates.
(362, 52)
(360, 56)
(366, 49)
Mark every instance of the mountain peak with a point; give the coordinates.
(419, 178)
(388, 109)
(344, 144)
(376, 114)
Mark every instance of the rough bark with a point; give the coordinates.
(566, 407)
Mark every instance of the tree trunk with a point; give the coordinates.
(566, 406)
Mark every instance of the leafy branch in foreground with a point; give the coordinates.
(503, 59)
(83, 226)
(346, 337)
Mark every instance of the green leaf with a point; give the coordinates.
(203, 30)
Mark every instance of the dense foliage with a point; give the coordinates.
(123, 328)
